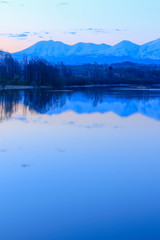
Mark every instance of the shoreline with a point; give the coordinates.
(70, 88)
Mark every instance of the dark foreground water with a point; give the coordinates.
(80, 165)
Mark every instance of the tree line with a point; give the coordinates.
(38, 72)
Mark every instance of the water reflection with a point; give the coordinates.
(79, 176)
(123, 103)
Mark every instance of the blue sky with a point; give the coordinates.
(24, 22)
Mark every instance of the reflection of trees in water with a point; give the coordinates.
(42, 100)
(99, 95)
(8, 103)
(39, 101)
(95, 95)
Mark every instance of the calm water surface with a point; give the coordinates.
(80, 165)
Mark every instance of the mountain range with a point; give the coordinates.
(81, 53)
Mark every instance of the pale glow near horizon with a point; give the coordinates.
(25, 22)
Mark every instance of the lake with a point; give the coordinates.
(80, 164)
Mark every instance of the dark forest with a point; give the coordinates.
(38, 72)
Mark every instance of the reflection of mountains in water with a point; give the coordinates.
(123, 103)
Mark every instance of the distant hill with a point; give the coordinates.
(81, 53)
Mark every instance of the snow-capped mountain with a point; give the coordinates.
(150, 50)
(124, 48)
(82, 49)
(59, 49)
(89, 52)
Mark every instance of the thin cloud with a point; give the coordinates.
(24, 35)
(21, 35)
(101, 30)
(93, 30)
(62, 4)
(11, 3)
(72, 33)
(96, 30)
(4, 2)
(20, 5)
